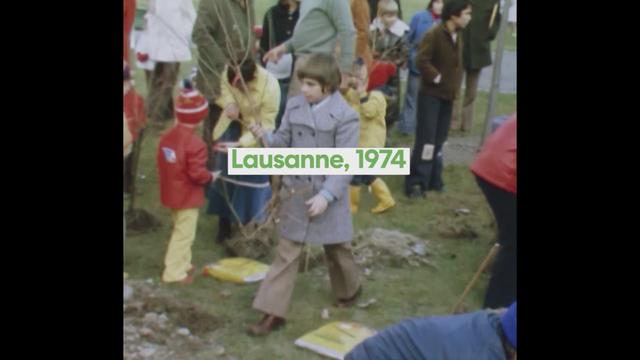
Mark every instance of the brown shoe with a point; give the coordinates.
(268, 324)
(189, 279)
(346, 303)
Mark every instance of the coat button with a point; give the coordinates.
(288, 32)
(313, 133)
(299, 133)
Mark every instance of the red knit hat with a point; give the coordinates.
(191, 107)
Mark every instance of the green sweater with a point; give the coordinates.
(322, 23)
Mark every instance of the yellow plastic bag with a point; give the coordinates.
(335, 339)
(238, 270)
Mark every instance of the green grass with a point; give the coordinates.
(401, 291)
(506, 105)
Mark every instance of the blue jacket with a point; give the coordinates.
(472, 336)
(420, 23)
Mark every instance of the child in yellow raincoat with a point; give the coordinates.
(236, 197)
(372, 107)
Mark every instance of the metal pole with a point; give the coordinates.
(495, 77)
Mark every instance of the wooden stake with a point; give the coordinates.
(493, 15)
(476, 276)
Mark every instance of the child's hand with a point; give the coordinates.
(317, 205)
(232, 111)
(256, 130)
(362, 87)
(223, 147)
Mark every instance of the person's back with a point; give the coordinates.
(318, 28)
(215, 20)
(496, 161)
(472, 336)
(181, 165)
(170, 23)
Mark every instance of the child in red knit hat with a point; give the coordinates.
(183, 174)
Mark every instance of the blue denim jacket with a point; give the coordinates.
(420, 23)
(472, 336)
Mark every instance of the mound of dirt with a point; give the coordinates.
(375, 247)
(379, 248)
(257, 245)
(159, 326)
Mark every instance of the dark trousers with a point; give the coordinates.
(128, 173)
(207, 130)
(501, 291)
(161, 82)
(433, 120)
(284, 89)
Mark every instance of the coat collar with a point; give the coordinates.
(330, 109)
(443, 27)
(398, 29)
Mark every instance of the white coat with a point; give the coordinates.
(169, 27)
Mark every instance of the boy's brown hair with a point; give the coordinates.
(322, 68)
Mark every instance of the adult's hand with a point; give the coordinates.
(274, 54)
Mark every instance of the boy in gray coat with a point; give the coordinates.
(314, 209)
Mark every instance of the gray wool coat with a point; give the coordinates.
(334, 124)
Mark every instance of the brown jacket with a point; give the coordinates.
(438, 55)
(360, 12)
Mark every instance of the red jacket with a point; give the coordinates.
(182, 170)
(496, 162)
(134, 111)
(129, 17)
(380, 73)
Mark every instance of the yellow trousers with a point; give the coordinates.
(178, 259)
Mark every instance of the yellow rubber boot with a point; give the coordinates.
(354, 197)
(382, 193)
